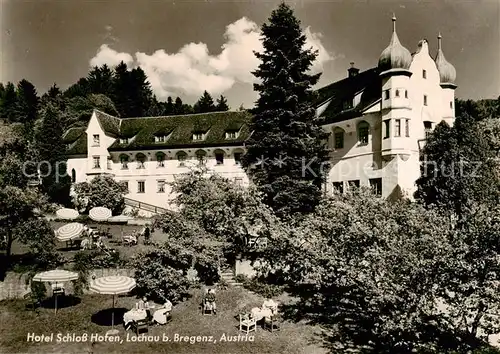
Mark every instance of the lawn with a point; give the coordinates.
(89, 315)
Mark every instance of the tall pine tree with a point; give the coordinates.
(178, 106)
(286, 154)
(204, 104)
(221, 104)
(9, 103)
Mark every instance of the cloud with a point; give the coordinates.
(193, 69)
(106, 55)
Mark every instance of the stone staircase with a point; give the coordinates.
(228, 277)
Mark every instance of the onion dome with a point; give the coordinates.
(395, 56)
(447, 72)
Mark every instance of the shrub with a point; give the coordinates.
(261, 288)
(38, 289)
(241, 278)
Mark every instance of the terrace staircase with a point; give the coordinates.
(228, 277)
(144, 206)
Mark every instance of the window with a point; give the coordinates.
(386, 94)
(181, 157)
(125, 185)
(339, 138)
(141, 187)
(353, 184)
(124, 161)
(73, 175)
(338, 186)
(231, 135)
(407, 128)
(97, 161)
(219, 158)
(406, 93)
(160, 159)
(160, 138)
(397, 93)
(376, 185)
(237, 158)
(124, 141)
(197, 136)
(96, 140)
(238, 181)
(200, 156)
(424, 74)
(397, 127)
(387, 127)
(363, 131)
(140, 158)
(427, 129)
(451, 104)
(425, 100)
(161, 186)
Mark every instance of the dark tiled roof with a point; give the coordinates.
(79, 146)
(72, 134)
(368, 82)
(110, 124)
(180, 129)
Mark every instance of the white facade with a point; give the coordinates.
(413, 99)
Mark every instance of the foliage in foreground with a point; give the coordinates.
(102, 191)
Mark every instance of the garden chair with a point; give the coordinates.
(34, 303)
(141, 325)
(207, 308)
(247, 323)
(273, 323)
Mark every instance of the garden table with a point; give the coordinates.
(134, 315)
(259, 313)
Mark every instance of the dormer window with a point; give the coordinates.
(123, 140)
(397, 93)
(160, 138)
(231, 135)
(197, 136)
(96, 140)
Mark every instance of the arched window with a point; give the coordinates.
(201, 156)
(140, 158)
(160, 158)
(73, 175)
(124, 161)
(338, 135)
(181, 157)
(238, 154)
(363, 132)
(219, 156)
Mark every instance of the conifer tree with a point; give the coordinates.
(221, 104)
(9, 102)
(169, 106)
(286, 154)
(204, 104)
(178, 106)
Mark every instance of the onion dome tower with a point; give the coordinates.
(394, 64)
(395, 56)
(447, 76)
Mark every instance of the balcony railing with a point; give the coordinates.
(145, 206)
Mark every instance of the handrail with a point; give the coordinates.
(145, 206)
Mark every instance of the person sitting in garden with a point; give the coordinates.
(161, 315)
(210, 301)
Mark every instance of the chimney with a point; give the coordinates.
(352, 70)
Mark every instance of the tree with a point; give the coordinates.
(80, 89)
(16, 208)
(102, 191)
(286, 154)
(100, 80)
(178, 106)
(460, 169)
(27, 102)
(169, 107)
(221, 104)
(51, 156)
(204, 104)
(9, 103)
(80, 109)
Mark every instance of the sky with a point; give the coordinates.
(189, 46)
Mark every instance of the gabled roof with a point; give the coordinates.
(110, 124)
(76, 138)
(367, 83)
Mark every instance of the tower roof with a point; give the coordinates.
(395, 56)
(447, 72)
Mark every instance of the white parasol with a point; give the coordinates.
(100, 214)
(69, 231)
(67, 214)
(56, 276)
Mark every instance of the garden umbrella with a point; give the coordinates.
(120, 219)
(100, 214)
(113, 285)
(57, 276)
(67, 214)
(69, 231)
